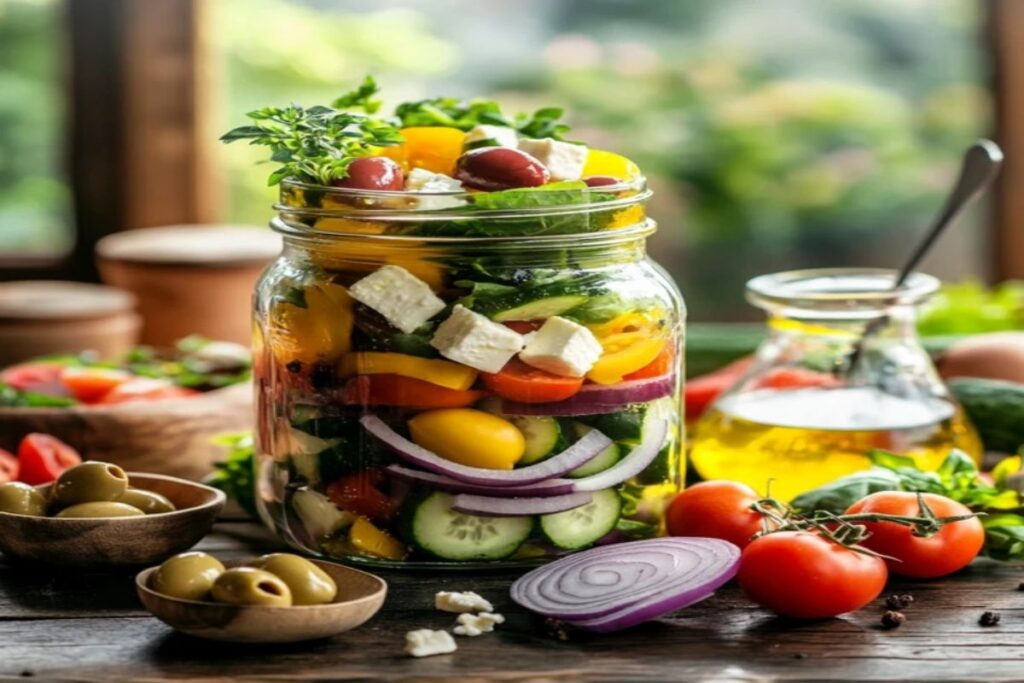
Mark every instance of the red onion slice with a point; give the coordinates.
(613, 587)
(597, 399)
(518, 507)
(635, 462)
(581, 452)
(550, 487)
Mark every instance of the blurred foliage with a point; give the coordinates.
(34, 199)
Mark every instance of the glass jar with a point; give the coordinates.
(367, 433)
(809, 408)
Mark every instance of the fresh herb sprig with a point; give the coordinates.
(455, 113)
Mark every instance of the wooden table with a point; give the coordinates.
(90, 627)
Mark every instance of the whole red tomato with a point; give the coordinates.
(801, 574)
(715, 509)
(952, 548)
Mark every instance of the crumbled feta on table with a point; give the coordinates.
(474, 340)
(466, 601)
(564, 160)
(502, 135)
(425, 643)
(403, 299)
(477, 624)
(562, 347)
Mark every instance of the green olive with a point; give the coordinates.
(309, 584)
(188, 576)
(150, 502)
(251, 586)
(100, 509)
(89, 482)
(22, 499)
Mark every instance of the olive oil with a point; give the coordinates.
(802, 439)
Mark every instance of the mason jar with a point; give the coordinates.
(458, 379)
(820, 395)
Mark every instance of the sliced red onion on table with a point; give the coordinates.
(580, 453)
(596, 399)
(517, 507)
(635, 462)
(549, 487)
(614, 587)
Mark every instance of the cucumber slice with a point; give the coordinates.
(543, 434)
(600, 462)
(437, 529)
(621, 426)
(540, 308)
(583, 526)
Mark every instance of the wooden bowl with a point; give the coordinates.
(119, 541)
(173, 437)
(360, 596)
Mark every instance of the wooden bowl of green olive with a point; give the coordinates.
(98, 515)
(277, 598)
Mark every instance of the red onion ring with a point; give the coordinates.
(597, 399)
(518, 507)
(549, 487)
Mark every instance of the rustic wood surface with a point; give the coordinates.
(91, 627)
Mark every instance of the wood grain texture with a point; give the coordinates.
(88, 628)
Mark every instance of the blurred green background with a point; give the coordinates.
(791, 133)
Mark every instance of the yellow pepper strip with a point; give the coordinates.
(368, 539)
(634, 321)
(443, 373)
(435, 148)
(613, 365)
(321, 331)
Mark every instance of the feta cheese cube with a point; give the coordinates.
(471, 339)
(403, 299)
(425, 642)
(563, 160)
(466, 601)
(562, 347)
(477, 624)
(502, 135)
(422, 181)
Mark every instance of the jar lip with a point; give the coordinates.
(839, 289)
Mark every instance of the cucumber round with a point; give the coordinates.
(600, 462)
(586, 524)
(540, 309)
(437, 529)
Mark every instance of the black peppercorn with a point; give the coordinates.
(893, 619)
(989, 619)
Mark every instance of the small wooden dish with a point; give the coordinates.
(120, 541)
(360, 596)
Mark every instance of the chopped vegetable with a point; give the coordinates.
(436, 528)
(517, 507)
(469, 437)
(362, 494)
(521, 383)
(42, 458)
(235, 475)
(548, 487)
(596, 399)
(396, 390)
(92, 385)
(440, 372)
(368, 539)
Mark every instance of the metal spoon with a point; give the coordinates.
(980, 165)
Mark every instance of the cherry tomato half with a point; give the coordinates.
(715, 509)
(803, 575)
(89, 385)
(8, 467)
(360, 493)
(518, 381)
(145, 389)
(42, 458)
(952, 548)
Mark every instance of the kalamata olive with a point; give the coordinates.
(251, 586)
(601, 180)
(188, 576)
(89, 482)
(99, 509)
(372, 173)
(149, 502)
(22, 499)
(309, 584)
(500, 168)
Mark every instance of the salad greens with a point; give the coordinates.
(972, 308)
(957, 478)
(17, 398)
(236, 475)
(455, 113)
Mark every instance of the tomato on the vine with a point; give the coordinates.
(951, 548)
(804, 575)
(715, 509)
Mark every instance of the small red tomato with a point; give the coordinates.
(42, 458)
(715, 509)
(803, 575)
(360, 493)
(601, 181)
(499, 168)
(372, 173)
(951, 549)
(89, 385)
(8, 467)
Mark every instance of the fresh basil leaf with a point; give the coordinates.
(1004, 536)
(890, 460)
(957, 463)
(844, 492)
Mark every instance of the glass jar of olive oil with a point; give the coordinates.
(809, 409)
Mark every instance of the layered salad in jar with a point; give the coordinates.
(463, 354)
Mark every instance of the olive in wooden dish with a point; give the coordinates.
(94, 490)
(275, 580)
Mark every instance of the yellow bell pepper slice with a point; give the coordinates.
(368, 539)
(602, 162)
(443, 373)
(320, 332)
(434, 148)
(612, 366)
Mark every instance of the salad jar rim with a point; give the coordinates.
(839, 289)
